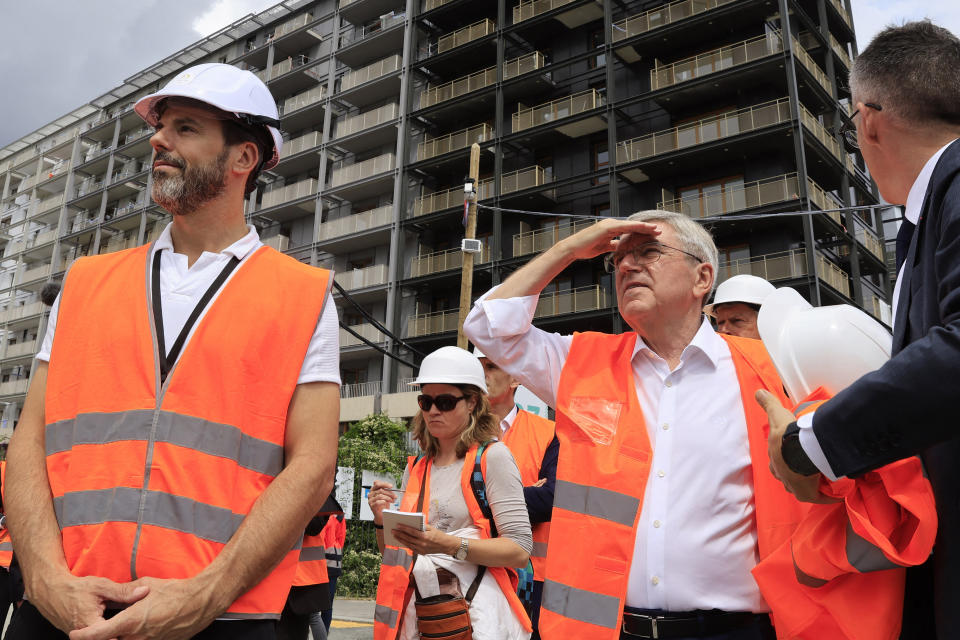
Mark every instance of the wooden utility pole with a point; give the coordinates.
(466, 277)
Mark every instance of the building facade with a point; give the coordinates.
(719, 109)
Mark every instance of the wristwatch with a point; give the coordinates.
(461, 553)
(793, 453)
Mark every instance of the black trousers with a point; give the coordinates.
(759, 629)
(29, 624)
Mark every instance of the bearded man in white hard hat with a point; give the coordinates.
(169, 453)
(736, 305)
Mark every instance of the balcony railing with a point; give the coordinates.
(366, 330)
(304, 99)
(366, 120)
(592, 298)
(384, 22)
(42, 238)
(289, 192)
(433, 147)
(824, 200)
(343, 174)
(21, 349)
(292, 25)
(463, 36)
(532, 8)
(876, 307)
(662, 76)
(869, 240)
(282, 67)
(371, 276)
(430, 5)
(48, 204)
(539, 240)
(373, 218)
(440, 261)
(135, 135)
(480, 79)
(820, 133)
(426, 324)
(301, 144)
(520, 179)
(370, 72)
(833, 275)
(703, 131)
(21, 311)
(838, 4)
(812, 66)
(662, 16)
(14, 387)
(556, 110)
(448, 198)
(752, 194)
(783, 265)
(36, 273)
(840, 50)
(358, 389)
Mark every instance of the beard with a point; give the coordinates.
(185, 192)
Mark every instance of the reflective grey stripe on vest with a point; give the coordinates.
(865, 557)
(594, 501)
(397, 558)
(803, 405)
(540, 549)
(581, 605)
(122, 504)
(386, 615)
(212, 438)
(6, 546)
(312, 553)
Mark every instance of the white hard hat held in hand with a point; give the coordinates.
(452, 365)
(227, 88)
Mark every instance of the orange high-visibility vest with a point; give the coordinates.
(848, 556)
(601, 481)
(393, 588)
(312, 562)
(153, 480)
(334, 536)
(6, 545)
(528, 438)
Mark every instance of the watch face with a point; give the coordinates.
(461, 554)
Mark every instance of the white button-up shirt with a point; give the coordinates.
(181, 288)
(696, 539)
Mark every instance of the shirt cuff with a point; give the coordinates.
(508, 316)
(811, 446)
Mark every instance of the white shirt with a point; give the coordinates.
(911, 211)
(181, 288)
(508, 419)
(696, 538)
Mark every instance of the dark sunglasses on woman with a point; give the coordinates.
(445, 402)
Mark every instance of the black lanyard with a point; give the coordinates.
(167, 360)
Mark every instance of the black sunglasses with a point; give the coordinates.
(848, 132)
(445, 402)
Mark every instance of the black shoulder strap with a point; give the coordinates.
(480, 488)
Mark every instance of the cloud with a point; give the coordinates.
(871, 16)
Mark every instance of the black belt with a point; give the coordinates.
(685, 624)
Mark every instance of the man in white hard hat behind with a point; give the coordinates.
(169, 454)
(737, 303)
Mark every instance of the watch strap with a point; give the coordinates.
(793, 454)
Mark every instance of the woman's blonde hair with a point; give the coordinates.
(483, 425)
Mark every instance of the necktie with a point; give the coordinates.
(903, 241)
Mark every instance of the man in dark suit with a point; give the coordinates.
(906, 87)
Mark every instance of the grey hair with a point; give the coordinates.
(911, 71)
(694, 238)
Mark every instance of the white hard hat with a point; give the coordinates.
(227, 88)
(452, 365)
(742, 288)
(827, 347)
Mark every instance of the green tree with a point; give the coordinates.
(375, 443)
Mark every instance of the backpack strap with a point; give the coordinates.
(480, 488)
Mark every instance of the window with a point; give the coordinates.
(600, 158)
(597, 42)
(713, 198)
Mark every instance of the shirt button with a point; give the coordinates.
(656, 524)
(669, 384)
(655, 580)
(666, 426)
(661, 474)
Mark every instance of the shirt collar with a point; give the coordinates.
(239, 249)
(705, 341)
(919, 189)
(508, 419)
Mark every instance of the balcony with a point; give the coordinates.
(783, 265)
(592, 298)
(427, 324)
(372, 276)
(480, 79)
(820, 133)
(46, 205)
(704, 131)
(370, 72)
(524, 64)
(825, 201)
(572, 19)
(356, 223)
(526, 118)
(21, 349)
(282, 68)
(842, 10)
(433, 147)
(460, 37)
(346, 173)
(36, 273)
(752, 194)
(14, 387)
(289, 193)
(305, 99)
(299, 145)
(840, 50)
(448, 198)
(440, 261)
(136, 135)
(662, 76)
(528, 242)
(366, 120)
(832, 275)
(42, 238)
(347, 339)
(521, 179)
(869, 240)
(359, 389)
(662, 16)
(292, 25)
(382, 24)
(21, 311)
(876, 307)
(812, 67)
(430, 5)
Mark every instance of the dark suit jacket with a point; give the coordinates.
(907, 406)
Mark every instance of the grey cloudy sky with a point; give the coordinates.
(59, 54)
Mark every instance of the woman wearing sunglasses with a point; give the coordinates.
(460, 548)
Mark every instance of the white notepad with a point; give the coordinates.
(392, 518)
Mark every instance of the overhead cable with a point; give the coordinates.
(367, 342)
(372, 320)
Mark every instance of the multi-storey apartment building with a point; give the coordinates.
(714, 108)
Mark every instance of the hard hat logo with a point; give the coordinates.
(184, 78)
